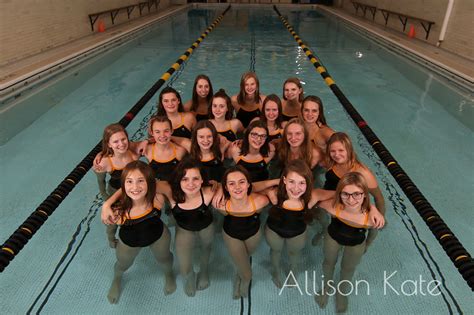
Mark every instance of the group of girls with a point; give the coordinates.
(216, 149)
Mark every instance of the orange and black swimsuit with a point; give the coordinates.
(287, 222)
(181, 130)
(346, 234)
(241, 226)
(257, 169)
(115, 175)
(229, 134)
(277, 135)
(332, 179)
(163, 169)
(143, 230)
(213, 169)
(246, 117)
(193, 219)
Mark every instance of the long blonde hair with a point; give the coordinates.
(356, 179)
(343, 138)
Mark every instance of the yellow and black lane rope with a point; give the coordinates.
(31, 225)
(451, 245)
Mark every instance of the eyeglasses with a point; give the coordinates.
(258, 136)
(355, 195)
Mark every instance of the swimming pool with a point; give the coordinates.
(388, 91)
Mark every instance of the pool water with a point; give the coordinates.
(425, 121)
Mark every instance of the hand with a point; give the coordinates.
(108, 215)
(218, 201)
(376, 219)
(96, 164)
(141, 147)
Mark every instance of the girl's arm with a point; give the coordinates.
(138, 147)
(261, 201)
(376, 219)
(164, 188)
(107, 214)
(318, 195)
(233, 151)
(102, 185)
(327, 205)
(182, 142)
(264, 184)
(374, 189)
(237, 126)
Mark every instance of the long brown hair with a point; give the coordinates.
(306, 153)
(126, 203)
(356, 179)
(161, 110)
(279, 119)
(195, 98)
(347, 143)
(230, 109)
(298, 84)
(109, 131)
(215, 147)
(313, 98)
(241, 95)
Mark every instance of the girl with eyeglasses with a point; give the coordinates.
(342, 159)
(347, 232)
(254, 152)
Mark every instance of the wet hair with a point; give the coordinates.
(126, 203)
(230, 109)
(243, 79)
(195, 98)
(312, 98)
(109, 131)
(305, 148)
(298, 83)
(301, 168)
(161, 110)
(236, 169)
(347, 143)
(265, 148)
(357, 179)
(160, 119)
(215, 147)
(183, 166)
(279, 119)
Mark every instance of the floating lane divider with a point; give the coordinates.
(25, 231)
(451, 245)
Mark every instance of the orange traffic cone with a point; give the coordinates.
(101, 27)
(411, 32)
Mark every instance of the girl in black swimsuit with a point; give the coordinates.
(163, 155)
(202, 93)
(170, 105)
(255, 152)
(138, 214)
(221, 115)
(115, 155)
(206, 147)
(248, 102)
(241, 230)
(190, 201)
(350, 221)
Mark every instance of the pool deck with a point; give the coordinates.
(14, 73)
